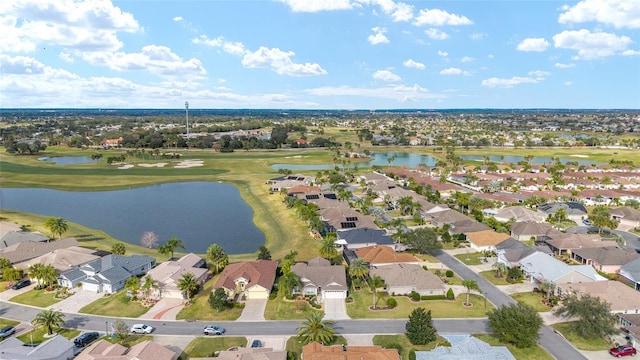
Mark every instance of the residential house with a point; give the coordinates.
(384, 255)
(242, 353)
(467, 226)
(15, 237)
(623, 299)
(630, 274)
(519, 214)
(62, 259)
(573, 210)
(363, 237)
(107, 274)
(317, 351)
(55, 348)
(7, 226)
(440, 218)
(627, 217)
(145, 350)
(345, 218)
(540, 268)
(565, 243)
(525, 231)
(405, 278)
(168, 274)
(511, 251)
(607, 259)
(321, 279)
(465, 347)
(486, 240)
(289, 181)
(25, 251)
(248, 279)
(631, 325)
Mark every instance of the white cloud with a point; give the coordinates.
(280, 62)
(436, 34)
(414, 64)
(178, 19)
(568, 83)
(477, 36)
(617, 13)
(402, 12)
(386, 75)
(442, 53)
(454, 71)
(318, 5)
(400, 93)
(564, 66)
(591, 45)
(508, 83)
(437, 17)
(378, 37)
(466, 59)
(631, 53)
(539, 74)
(533, 44)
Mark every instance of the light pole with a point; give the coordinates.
(106, 329)
(186, 109)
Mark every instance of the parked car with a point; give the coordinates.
(586, 222)
(20, 284)
(256, 343)
(141, 329)
(7, 331)
(213, 330)
(623, 350)
(86, 339)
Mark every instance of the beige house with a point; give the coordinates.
(627, 217)
(248, 279)
(405, 278)
(242, 353)
(168, 274)
(486, 240)
(319, 278)
(623, 299)
(604, 259)
(317, 351)
(146, 350)
(62, 259)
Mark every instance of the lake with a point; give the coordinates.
(378, 159)
(68, 160)
(198, 213)
(540, 160)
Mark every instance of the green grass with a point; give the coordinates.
(201, 310)
(208, 346)
(471, 258)
(531, 353)
(294, 347)
(37, 335)
(388, 341)
(39, 298)
(280, 309)
(579, 341)
(7, 322)
(531, 299)
(117, 304)
(491, 276)
(129, 340)
(363, 299)
(3, 285)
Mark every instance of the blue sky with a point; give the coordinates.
(320, 54)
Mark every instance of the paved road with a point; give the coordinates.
(557, 346)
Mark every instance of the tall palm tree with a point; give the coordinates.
(57, 226)
(49, 275)
(36, 272)
(50, 319)
(133, 284)
(217, 256)
(173, 244)
(288, 261)
(500, 268)
(358, 268)
(470, 285)
(313, 328)
(148, 284)
(375, 283)
(288, 282)
(328, 247)
(189, 284)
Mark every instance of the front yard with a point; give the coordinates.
(208, 346)
(401, 341)
(471, 258)
(490, 275)
(363, 299)
(578, 341)
(532, 299)
(117, 304)
(531, 353)
(281, 309)
(37, 335)
(201, 310)
(39, 298)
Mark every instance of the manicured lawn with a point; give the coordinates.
(39, 298)
(281, 309)
(130, 340)
(532, 353)
(201, 310)
(491, 276)
(7, 322)
(295, 348)
(3, 285)
(117, 304)
(532, 299)
(471, 258)
(362, 299)
(426, 258)
(37, 335)
(455, 280)
(580, 342)
(392, 341)
(208, 346)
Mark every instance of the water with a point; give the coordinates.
(379, 159)
(536, 160)
(68, 160)
(198, 213)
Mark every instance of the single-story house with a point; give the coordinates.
(520, 214)
(573, 210)
(107, 274)
(405, 278)
(441, 218)
(511, 251)
(631, 325)
(316, 351)
(630, 274)
(567, 242)
(145, 350)
(362, 237)
(168, 274)
(467, 226)
(345, 218)
(55, 348)
(25, 251)
(16, 237)
(248, 279)
(247, 353)
(486, 240)
(62, 259)
(525, 231)
(604, 259)
(465, 347)
(384, 255)
(321, 279)
(542, 268)
(623, 299)
(626, 216)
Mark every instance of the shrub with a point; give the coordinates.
(438, 272)
(425, 267)
(433, 297)
(412, 354)
(394, 346)
(450, 294)
(415, 296)
(449, 274)
(392, 303)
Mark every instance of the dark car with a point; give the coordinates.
(7, 331)
(20, 284)
(86, 339)
(256, 343)
(623, 350)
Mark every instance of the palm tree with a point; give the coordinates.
(313, 328)
(49, 275)
(375, 283)
(288, 261)
(288, 282)
(548, 287)
(57, 226)
(36, 272)
(147, 286)
(470, 285)
(50, 319)
(170, 246)
(188, 284)
(358, 268)
(328, 248)
(133, 284)
(500, 268)
(217, 256)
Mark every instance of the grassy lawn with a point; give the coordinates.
(201, 310)
(295, 348)
(130, 340)
(580, 342)
(208, 346)
(491, 276)
(532, 299)
(455, 280)
(3, 285)
(7, 322)
(37, 335)
(38, 298)
(362, 299)
(281, 309)
(532, 353)
(117, 304)
(471, 258)
(426, 258)
(393, 341)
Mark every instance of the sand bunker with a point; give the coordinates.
(153, 165)
(581, 156)
(188, 163)
(294, 157)
(124, 167)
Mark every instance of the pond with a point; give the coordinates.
(68, 160)
(536, 160)
(379, 159)
(198, 213)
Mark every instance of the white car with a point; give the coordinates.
(141, 329)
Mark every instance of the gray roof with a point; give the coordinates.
(631, 270)
(129, 263)
(570, 208)
(607, 255)
(408, 275)
(467, 226)
(530, 228)
(16, 237)
(32, 249)
(320, 275)
(53, 348)
(520, 213)
(625, 212)
(465, 347)
(365, 236)
(543, 266)
(115, 275)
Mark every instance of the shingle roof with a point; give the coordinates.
(257, 272)
(607, 255)
(251, 354)
(364, 236)
(16, 237)
(547, 267)
(626, 213)
(321, 275)
(530, 228)
(487, 237)
(520, 213)
(577, 241)
(466, 348)
(145, 350)
(29, 250)
(620, 296)
(631, 270)
(408, 275)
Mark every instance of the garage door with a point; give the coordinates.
(91, 287)
(257, 295)
(333, 294)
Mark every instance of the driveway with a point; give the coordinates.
(253, 310)
(335, 309)
(9, 293)
(77, 301)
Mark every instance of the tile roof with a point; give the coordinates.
(317, 351)
(257, 272)
(487, 237)
(383, 255)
